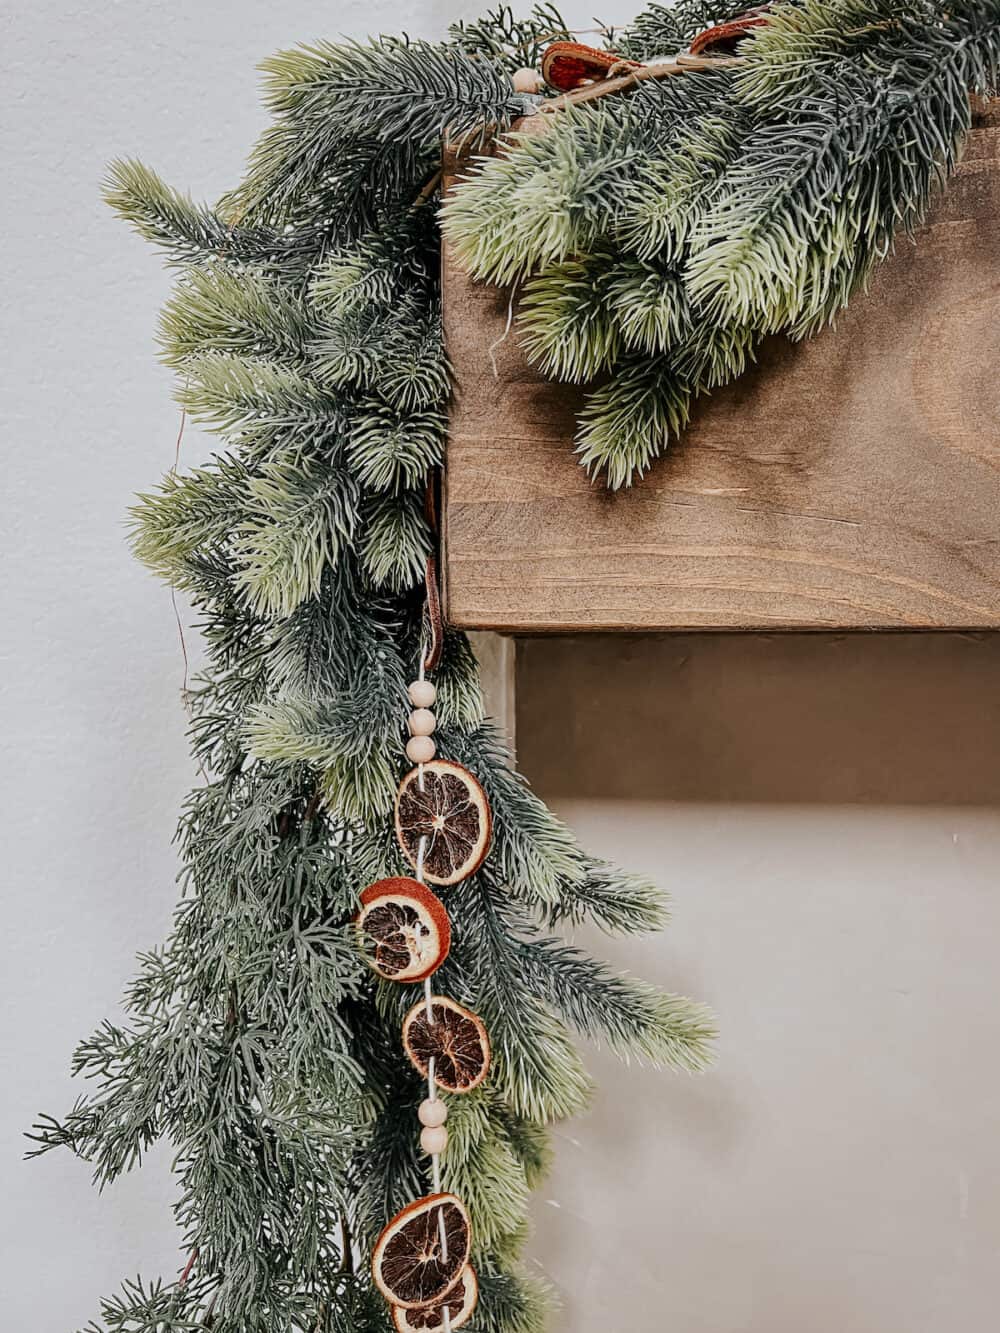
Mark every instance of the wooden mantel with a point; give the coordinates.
(849, 482)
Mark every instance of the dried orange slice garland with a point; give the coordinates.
(459, 1306)
(420, 1263)
(422, 1253)
(451, 1036)
(403, 929)
(442, 804)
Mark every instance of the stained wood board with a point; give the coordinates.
(848, 482)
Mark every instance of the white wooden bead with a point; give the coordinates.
(421, 722)
(432, 1113)
(422, 693)
(434, 1139)
(420, 749)
(527, 81)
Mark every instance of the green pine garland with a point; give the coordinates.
(658, 236)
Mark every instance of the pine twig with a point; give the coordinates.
(427, 190)
(209, 1317)
(314, 803)
(347, 1258)
(186, 1273)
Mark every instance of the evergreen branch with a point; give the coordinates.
(534, 854)
(395, 353)
(536, 1066)
(261, 405)
(542, 199)
(512, 1303)
(300, 514)
(188, 519)
(548, 197)
(387, 97)
(395, 541)
(348, 741)
(189, 233)
(803, 46)
(619, 903)
(459, 700)
(392, 262)
(390, 452)
(649, 305)
(248, 314)
(628, 422)
(536, 1069)
(389, 88)
(482, 1168)
(668, 192)
(509, 42)
(661, 30)
(634, 1018)
(776, 249)
(567, 327)
(154, 1307)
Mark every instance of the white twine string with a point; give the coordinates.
(444, 1239)
(431, 1081)
(446, 1312)
(491, 350)
(421, 853)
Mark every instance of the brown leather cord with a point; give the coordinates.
(432, 615)
(682, 64)
(586, 73)
(434, 620)
(726, 35)
(566, 65)
(432, 501)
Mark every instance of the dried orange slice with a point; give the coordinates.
(403, 929)
(409, 1264)
(456, 1039)
(460, 1303)
(443, 803)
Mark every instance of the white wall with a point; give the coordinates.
(96, 766)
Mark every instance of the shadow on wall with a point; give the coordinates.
(821, 718)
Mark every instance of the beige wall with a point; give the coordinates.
(825, 813)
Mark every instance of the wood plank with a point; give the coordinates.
(849, 482)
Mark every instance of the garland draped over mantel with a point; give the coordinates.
(656, 234)
(658, 237)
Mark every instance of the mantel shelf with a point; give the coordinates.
(848, 482)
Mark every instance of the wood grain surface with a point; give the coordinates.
(850, 482)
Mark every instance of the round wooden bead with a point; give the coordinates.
(420, 749)
(432, 1114)
(527, 81)
(422, 693)
(421, 722)
(434, 1139)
